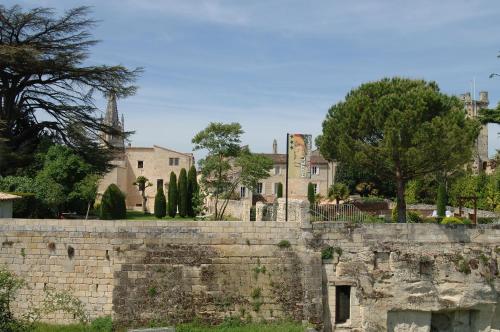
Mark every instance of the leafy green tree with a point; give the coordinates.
(192, 192)
(172, 195)
(338, 191)
(400, 129)
(47, 88)
(183, 195)
(160, 204)
(311, 195)
(142, 183)
(227, 165)
(279, 191)
(113, 204)
(86, 190)
(442, 200)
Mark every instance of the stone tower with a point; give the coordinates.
(472, 107)
(111, 119)
(275, 146)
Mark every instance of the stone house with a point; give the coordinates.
(322, 177)
(6, 202)
(155, 163)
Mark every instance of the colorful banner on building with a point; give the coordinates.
(299, 156)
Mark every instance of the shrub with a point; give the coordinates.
(9, 285)
(452, 221)
(414, 217)
(102, 324)
(113, 204)
(430, 220)
(182, 192)
(172, 195)
(311, 196)
(485, 220)
(160, 204)
(284, 244)
(327, 253)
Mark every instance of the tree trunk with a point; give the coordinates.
(401, 203)
(144, 202)
(88, 209)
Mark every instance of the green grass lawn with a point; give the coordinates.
(138, 215)
(192, 327)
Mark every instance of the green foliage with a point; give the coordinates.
(338, 191)
(172, 195)
(327, 253)
(142, 183)
(9, 285)
(354, 175)
(414, 217)
(279, 191)
(455, 221)
(102, 324)
(311, 195)
(399, 128)
(183, 194)
(227, 165)
(485, 187)
(113, 204)
(256, 293)
(237, 325)
(160, 204)
(284, 244)
(193, 192)
(442, 200)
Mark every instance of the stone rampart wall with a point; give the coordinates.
(398, 275)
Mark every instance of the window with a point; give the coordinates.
(276, 186)
(243, 192)
(316, 188)
(140, 164)
(159, 183)
(315, 170)
(342, 304)
(276, 170)
(260, 188)
(173, 161)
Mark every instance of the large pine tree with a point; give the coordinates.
(47, 88)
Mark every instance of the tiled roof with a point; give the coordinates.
(7, 197)
(280, 158)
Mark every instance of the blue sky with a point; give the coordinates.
(276, 66)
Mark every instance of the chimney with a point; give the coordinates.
(275, 146)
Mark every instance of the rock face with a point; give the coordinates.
(381, 277)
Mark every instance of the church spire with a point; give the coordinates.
(111, 118)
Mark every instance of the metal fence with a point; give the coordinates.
(334, 212)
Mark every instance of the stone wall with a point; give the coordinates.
(382, 276)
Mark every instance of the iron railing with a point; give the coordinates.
(337, 212)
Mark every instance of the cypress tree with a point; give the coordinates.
(441, 200)
(183, 197)
(113, 204)
(172, 195)
(160, 204)
(192, 190)
(310, 193)
(279, 192)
